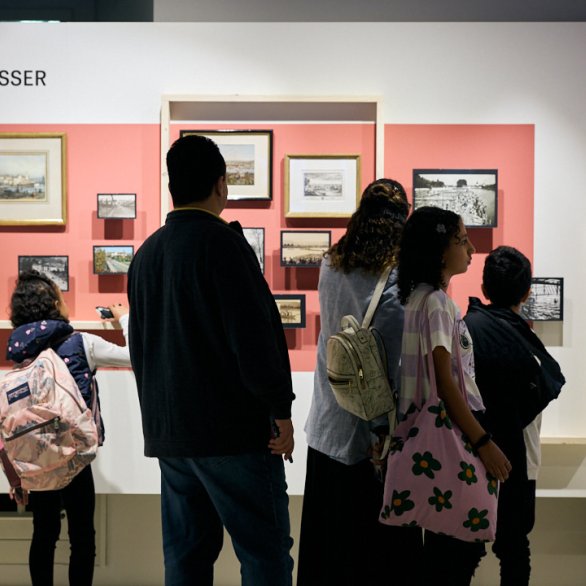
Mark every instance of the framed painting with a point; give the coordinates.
(248, 155)
(116, 206)
(304, 248)
(112, 260)
(33, 179)
(546, 300)
(326, 186)
(54, 267)
(470, 193)
(256, 239)
(292, 310)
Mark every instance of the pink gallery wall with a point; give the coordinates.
(508, 148)
(126, 159)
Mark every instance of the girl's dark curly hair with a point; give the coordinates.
(35, 298)
(426, 236)
(372, 238)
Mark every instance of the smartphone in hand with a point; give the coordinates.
(104, 312)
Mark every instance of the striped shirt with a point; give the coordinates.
(443, 316)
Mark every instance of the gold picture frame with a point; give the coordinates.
(33, 179)
(322, 186)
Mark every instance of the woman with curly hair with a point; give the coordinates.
(434, 248)
(341, 540)
(40, 318)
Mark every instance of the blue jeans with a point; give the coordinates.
(245, 493)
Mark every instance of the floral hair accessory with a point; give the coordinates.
(440, 228)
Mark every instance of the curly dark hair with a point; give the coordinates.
(372, 238)
(426, 236)
(34, 298)
(506, 276)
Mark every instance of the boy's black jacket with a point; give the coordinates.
(516, 375)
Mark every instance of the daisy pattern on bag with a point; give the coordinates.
(425, 464)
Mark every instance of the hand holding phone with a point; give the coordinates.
(104, 312)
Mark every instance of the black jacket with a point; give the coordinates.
(206, 340)
(514, 385)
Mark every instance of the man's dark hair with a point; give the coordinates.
(34, 298)
(426, 236)
(506, 276)
(194, 164)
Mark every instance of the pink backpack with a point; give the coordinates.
(49, 434)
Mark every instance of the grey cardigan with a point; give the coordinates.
(331, 430)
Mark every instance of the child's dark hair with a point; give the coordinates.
(34, 298)
(371, 241)
(506, 276)
(426, 236)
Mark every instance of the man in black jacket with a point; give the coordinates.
(214, 381)
(517, 378)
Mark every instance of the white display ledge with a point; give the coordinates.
(77, 325)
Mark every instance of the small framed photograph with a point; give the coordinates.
(546, 300)
(112, 260)
(249, 157)
(116, 206)
(304, 248)
(33, 179)
(470, 193)
(54, 267)
(321, 186)
(292, 310)
(256, 239)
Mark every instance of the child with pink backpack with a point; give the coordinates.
(40, 318)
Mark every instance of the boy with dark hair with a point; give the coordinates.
(517, 378)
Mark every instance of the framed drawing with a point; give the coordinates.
(33, 179)
(249, 156)
(256, 239)
(117, 206)
(54, 267)
(292, 310)
(112, 260)
(304, 248)
(470, 193)
(321, 186)
(546, 301)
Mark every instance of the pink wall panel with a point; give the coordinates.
(125, 159)
(100, 159)
(508, 148)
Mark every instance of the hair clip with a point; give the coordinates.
(440, 228)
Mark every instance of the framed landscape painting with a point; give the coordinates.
(116, 206)
(248, 155)
(304, 248)
(546, 300)
(321, 186)
(54, 267)
(470, 193)
(112, 260)
(292, 310)
(33, 179)
(256, 239)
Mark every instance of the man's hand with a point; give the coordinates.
(283, 442)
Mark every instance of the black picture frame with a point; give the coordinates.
(249, 161)
(292, 309)
(255, 236)
(304, 248)
(120, 257)
(116, 206)
(56, 267)
(546, 300)
(471, 193)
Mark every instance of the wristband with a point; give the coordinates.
(482, 441)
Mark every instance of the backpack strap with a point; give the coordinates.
(378, 291)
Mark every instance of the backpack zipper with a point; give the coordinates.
(54, 422)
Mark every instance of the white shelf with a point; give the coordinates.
(77, 325)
